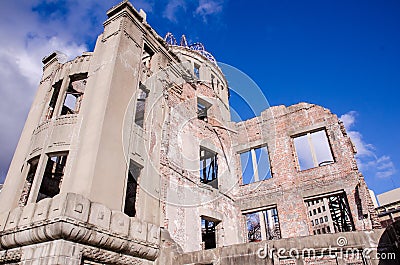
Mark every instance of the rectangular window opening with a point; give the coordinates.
(337, 217)
(52, 177)
(131, 189)
(313, 150)
(147, 56)
(255, 165)
(33, 164)
(143, 93)
(208, 167)
(202, 109)
(263, 225)
(53, 100)
(196, 70)
(208, 233)
(74, 94)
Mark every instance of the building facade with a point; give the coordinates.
(129, 156)
(389, 207)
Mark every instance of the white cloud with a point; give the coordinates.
(202, 8)
(172, 8)
(367, 159)
(29, 34)
(208, 7)
(349, 119)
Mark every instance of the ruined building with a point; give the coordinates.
(129, 156)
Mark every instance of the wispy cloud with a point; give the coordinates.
(172, 8)
(199, 8)
(381, 166)
(208, 7)
(32, 30)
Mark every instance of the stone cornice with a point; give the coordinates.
(74, 218)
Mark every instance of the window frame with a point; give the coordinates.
(133, 166)
(312, 149)
(47, 174)
(204, 159)
(202, 110)
(266, 233)
(141, 102)
(255, 164)
(213, 232)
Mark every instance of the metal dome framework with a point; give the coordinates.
(197, 46)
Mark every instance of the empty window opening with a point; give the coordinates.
(263, 225)
(33, 164)
(74, 95)
(313, 150)
(143, 93)
(196, 70)
(212, 81)
(202, 109)
(131, 189)
(337, 218)
(208, 167)
(208, 233)
(53, 100)
(147, 56)
(52, 177)
(255, 165)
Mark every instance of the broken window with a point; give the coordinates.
(143, 93)
(53, 101)
(255, 165)
(74, 94)
(33, 164)
(196, 70)
(131, 189)
(202, 109)
(335, 216)
(263, 225)
(313, 149)
(208, 167)
(208, 233)
(147, 56)
(52, 176)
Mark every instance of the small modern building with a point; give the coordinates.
(389, 209)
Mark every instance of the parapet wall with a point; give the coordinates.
(74, 218)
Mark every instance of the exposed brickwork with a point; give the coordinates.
(289, 185)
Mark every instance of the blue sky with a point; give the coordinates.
(343, 55)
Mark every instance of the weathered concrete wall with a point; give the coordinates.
(186, 199)
(343, 248)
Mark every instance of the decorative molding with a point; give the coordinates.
(74, 218)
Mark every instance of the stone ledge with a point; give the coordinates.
(74, 218)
